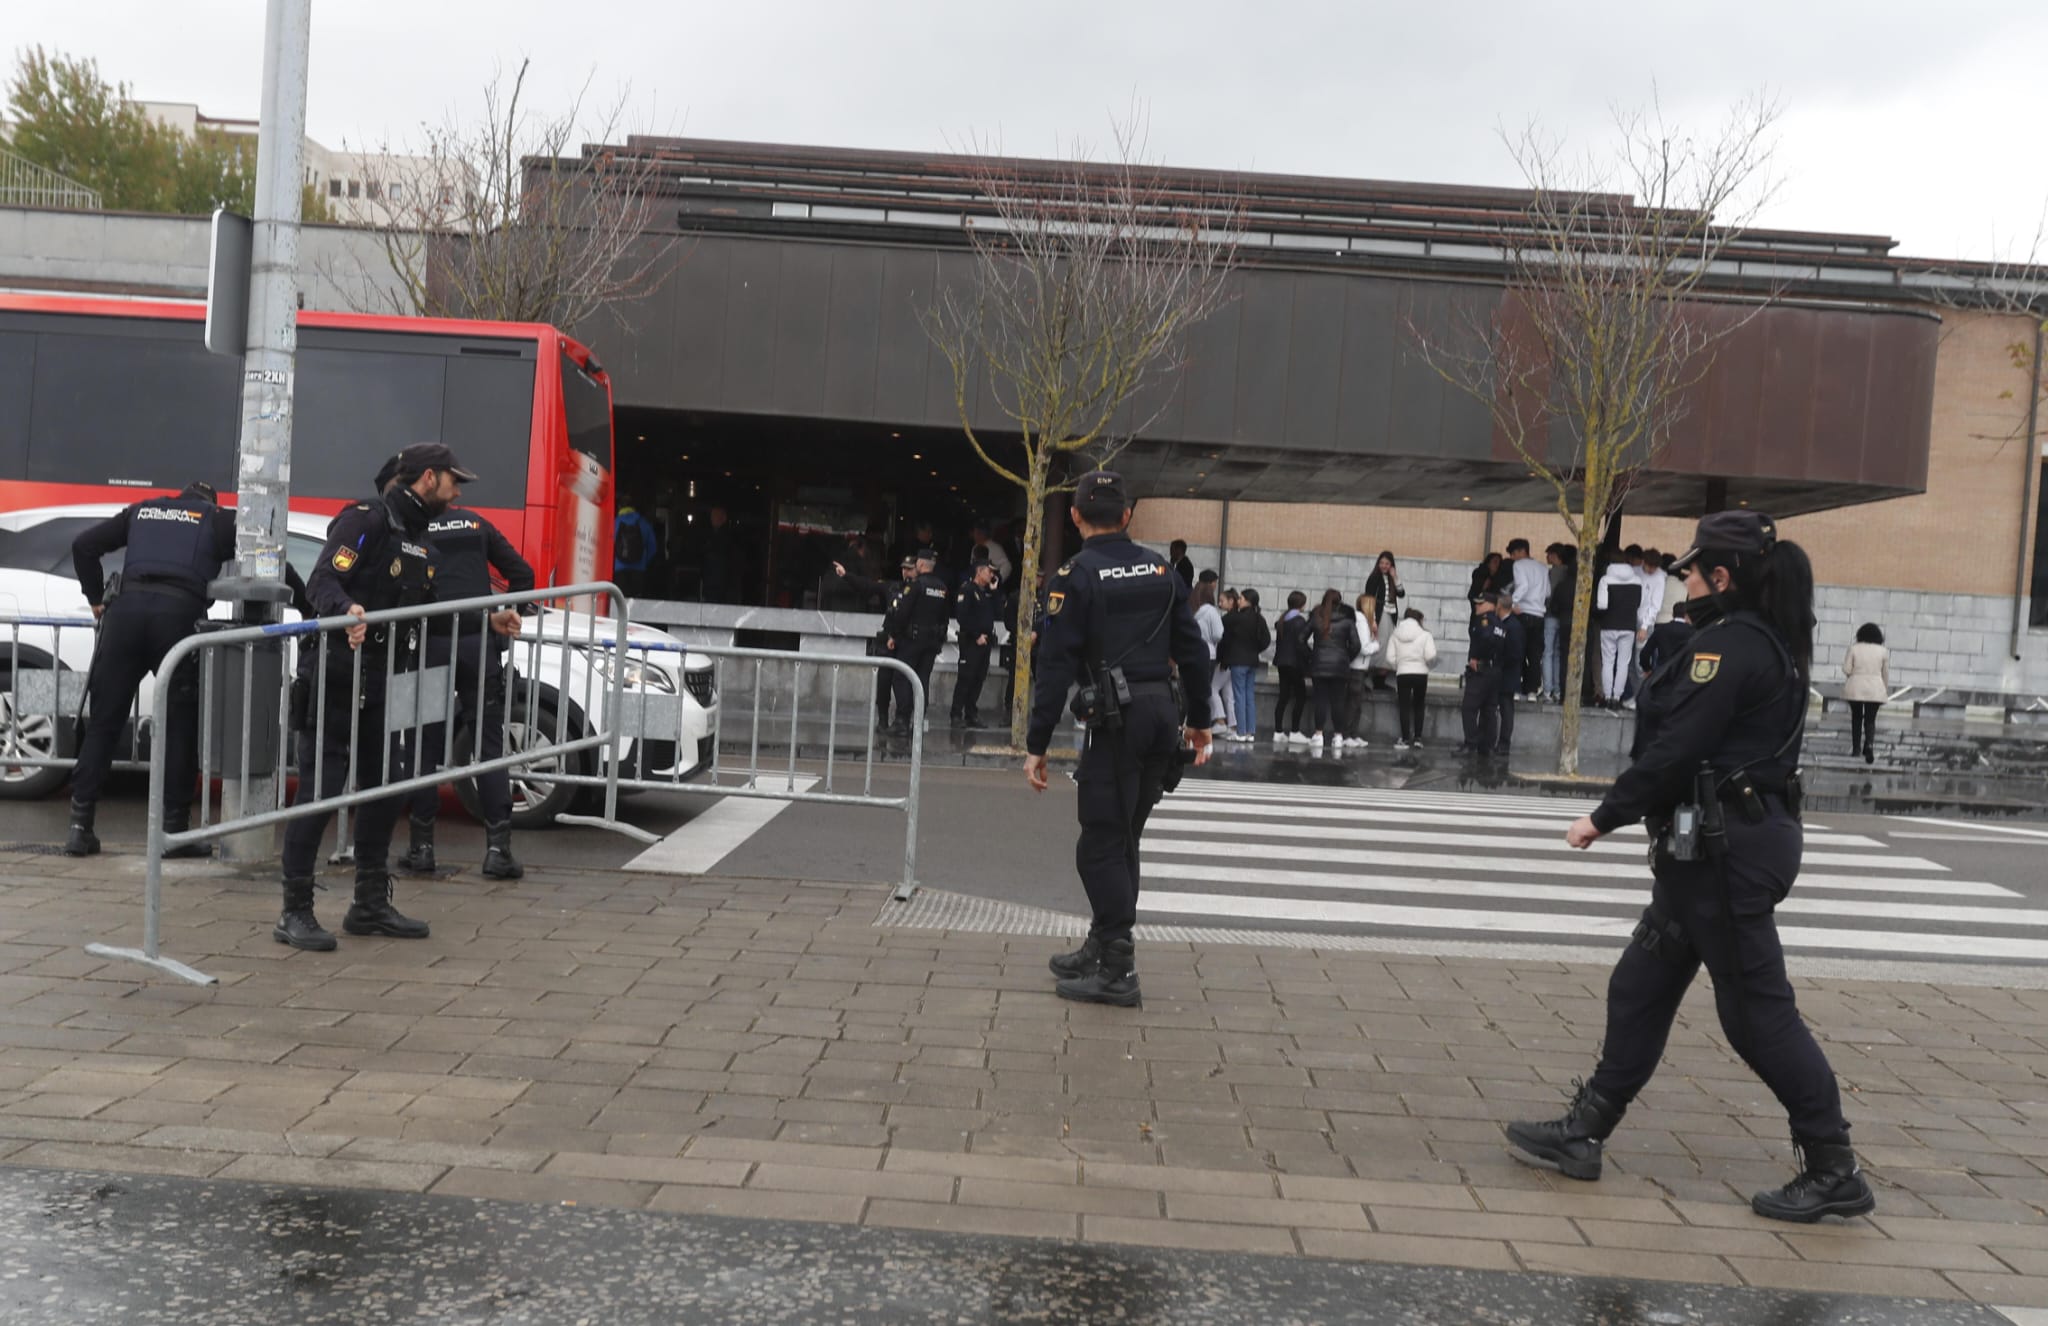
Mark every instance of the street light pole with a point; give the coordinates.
(263, 468)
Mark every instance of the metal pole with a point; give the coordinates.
(2020, 598)
(263, 473)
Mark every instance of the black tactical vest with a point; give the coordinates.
(171, 539)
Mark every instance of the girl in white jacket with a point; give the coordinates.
(1410, 653)
(1867, 684)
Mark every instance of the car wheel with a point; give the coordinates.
(534, 804)
(27, 735)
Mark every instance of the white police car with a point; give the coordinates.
(560, 687)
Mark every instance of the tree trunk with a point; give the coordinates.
(1027, 593)
(1575, 659)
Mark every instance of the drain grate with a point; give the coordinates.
(34, 849)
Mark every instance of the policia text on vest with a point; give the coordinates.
(1117, 623)
(175, 549)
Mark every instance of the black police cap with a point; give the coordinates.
(928, 555)
(1101, 490)
(1738, 534)
(420, 457)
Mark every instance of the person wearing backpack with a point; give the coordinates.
(1336, 644)
(1410, 652)
(1293, 648)
(635, 544)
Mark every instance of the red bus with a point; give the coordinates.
(115, 400)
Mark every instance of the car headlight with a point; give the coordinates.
(640, 673)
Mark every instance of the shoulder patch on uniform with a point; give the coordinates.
(1705, 667)
(1054, 602)
(344, 558)
(1066, 570)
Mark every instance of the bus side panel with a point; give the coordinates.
(573, 495)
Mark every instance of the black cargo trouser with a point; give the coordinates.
(324, 758)
(484, 722)
(1117, 785)
(1482, 714)
(973, 674)
(920, 657)
(141, 626)
(1736, 939)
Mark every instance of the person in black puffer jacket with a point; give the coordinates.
(1293, 646)
(1245, 638)
(1336, 644)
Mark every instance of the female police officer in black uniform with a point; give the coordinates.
(1716, 784)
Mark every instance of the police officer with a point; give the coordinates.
(889, 642)
(929, 612)
(1117, 619)
(376, 557)
(975, 608)
(1717, 786)
(467, 548)
(176, 546)
(1483, 661)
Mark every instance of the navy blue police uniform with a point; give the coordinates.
(927, 610)
(1483, 661)
(1116, 607)
(1722, 717)
(468, 548)
(175, 548)
(376, 556)
(889, 642)
(975, 608)
(1513, 650)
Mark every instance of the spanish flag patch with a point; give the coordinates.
(344, 558)
(1053, 603)
(1705, 667)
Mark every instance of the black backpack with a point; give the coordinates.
(629, 544)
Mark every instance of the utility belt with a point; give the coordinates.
(1107, 695)
(163, 587)
(1697, 829)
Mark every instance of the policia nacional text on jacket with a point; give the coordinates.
(1717, 785)
(1116, 622)
(176, 547)
(376, 557)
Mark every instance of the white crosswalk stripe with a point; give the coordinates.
(1427, 862)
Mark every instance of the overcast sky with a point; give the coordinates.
(1905, 118)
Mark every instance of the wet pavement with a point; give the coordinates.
(89, 1248)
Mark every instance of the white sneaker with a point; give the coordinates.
(1315, 739)
(1400, 745)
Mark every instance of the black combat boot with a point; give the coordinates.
(1068, 966)
(372, 912)
(80, 840)
(1570, 1145)
(177, 819)
(419, 853)
(298, 926)
(1829, 1183)
(499, 863)
(1114, 979)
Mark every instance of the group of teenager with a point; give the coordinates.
(1329, 659)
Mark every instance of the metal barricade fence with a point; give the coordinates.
(414, 700)
(48, 661)
(650, 717)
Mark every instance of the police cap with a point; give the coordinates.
(909, 563)
(202, 490)
(928, 555)
(420, 457)
(1730, 535)
(1100, 493)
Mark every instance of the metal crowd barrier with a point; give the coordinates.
(44, 693)
(415, 700)
(653, 717)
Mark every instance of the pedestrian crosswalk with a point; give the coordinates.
(1425, 862)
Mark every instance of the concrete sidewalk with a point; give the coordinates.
(765, 1048)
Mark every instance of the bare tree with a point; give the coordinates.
(497, 218)
(1074, 320)
(1587, 360)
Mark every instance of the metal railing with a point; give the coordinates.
(415, 699)
(44, 693)
(651, 717)
(25, 184)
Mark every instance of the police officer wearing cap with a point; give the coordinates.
(1717, 785)
(467, 549)
(929, 611)
(1117, 621)
(376, 557)
(975, 608)
(889, 641)
(175, 549)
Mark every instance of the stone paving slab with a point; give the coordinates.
(763, 1049)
